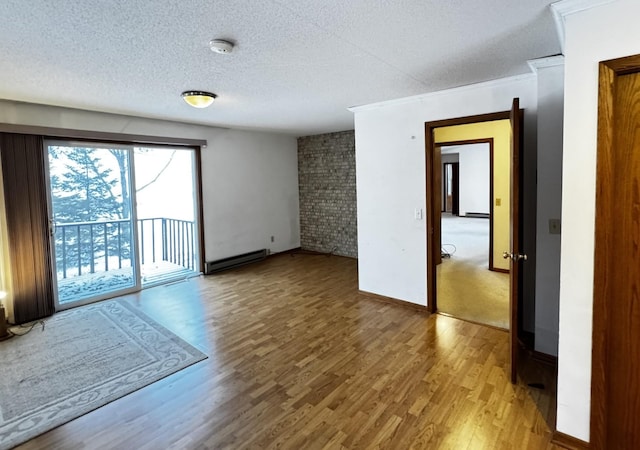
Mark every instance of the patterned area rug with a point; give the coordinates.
(85, 358)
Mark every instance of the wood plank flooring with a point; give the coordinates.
(299, 359)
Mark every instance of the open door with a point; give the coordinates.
(437, 163)
(434, 208)
(514, 253)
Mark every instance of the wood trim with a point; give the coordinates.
(50, 132)
(497, 269)
(606, 204)
(470, 119)
(604, 171)
(491, 204)
(437, 206)
(395, 301)
(515, 118)
(491, 172)
(545, 358)
(291, 252)
(566, 441)
(432, 302)
(464, 142)
(430, 144)
(199, 199)
(623, 66)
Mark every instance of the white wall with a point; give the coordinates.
(605, 32)
(550, 113)
(474, 179)
(474, 174)
(249, 179)
(391, 179)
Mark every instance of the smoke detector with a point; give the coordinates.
(221, 46)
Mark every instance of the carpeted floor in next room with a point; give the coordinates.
(466, 288)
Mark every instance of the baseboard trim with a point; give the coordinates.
(284, 252)
(301, 251)
(566, 441)
(527, 339)
(545, 358)
(496, 269)
(395, 301)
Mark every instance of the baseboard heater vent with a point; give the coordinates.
(477, 215)
(234, 261)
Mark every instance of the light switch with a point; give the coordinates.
(554, 226)
(498, 201)
(418, 213)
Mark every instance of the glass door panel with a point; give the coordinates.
(94, 242)
(166, 207)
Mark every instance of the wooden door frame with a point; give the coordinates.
(445, 186)
(609, 71)
(455, 187)
(455, 201)
(431, 189)
(438, 216)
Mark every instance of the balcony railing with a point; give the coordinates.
(100, 246)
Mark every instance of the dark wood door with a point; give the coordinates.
(615, 389)
(514, 253)
(437, 228)
(455, 188)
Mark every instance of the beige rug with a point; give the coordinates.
(85, 358)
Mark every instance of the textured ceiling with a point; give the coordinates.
(297, 67)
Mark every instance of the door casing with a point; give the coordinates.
(615, 397)
(433, 210)
(437, 217)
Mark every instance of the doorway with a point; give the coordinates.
(467, 286)
(512, 253)
(166, 208)
(122, 218)
(451, 185)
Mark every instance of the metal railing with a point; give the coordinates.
(87, 247)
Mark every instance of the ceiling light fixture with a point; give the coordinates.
(198, 99)
(221, 46)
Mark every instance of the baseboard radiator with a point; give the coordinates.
(477, 215)
(234, 261)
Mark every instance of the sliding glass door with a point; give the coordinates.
(93, 221)
(122, 218)
(165, 192)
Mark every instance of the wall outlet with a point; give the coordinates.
(272, 239)
(498, 202)
(554, 226)
(418, 213)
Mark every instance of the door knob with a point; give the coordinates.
(514, 257)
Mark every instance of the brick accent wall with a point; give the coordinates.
(327, 184)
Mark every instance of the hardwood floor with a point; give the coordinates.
(298, 358)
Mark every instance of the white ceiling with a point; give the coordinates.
(297, 67)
